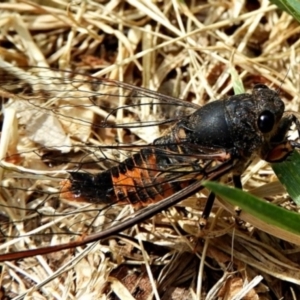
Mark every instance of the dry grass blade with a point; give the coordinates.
(52, 56)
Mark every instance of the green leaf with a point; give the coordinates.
(237, 83)
(260, 213)
(288, 173)
(292, 7)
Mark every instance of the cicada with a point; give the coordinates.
(217, 139)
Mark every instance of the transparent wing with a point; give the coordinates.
(58, 122)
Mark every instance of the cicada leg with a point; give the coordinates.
(237, 182)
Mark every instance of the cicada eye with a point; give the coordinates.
(266, 121)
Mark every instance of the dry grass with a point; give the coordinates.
(185, 50)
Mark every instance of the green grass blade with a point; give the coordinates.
(292, 7)
(288, 173)
(260, 213)
(237, 83)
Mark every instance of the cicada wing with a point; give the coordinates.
(140, 216)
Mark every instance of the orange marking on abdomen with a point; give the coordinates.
(146, 178)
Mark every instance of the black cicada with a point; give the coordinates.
(219, 138)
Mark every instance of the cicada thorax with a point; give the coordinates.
(243, 125)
